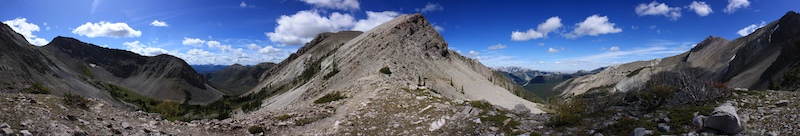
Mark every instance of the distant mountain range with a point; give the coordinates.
(764, 59)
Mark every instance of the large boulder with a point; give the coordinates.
(724, 119)
(520, 109)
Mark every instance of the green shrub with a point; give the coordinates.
(385, 70)
(331, 74)
(283, 117)
(251, 106)
(499, 119)
(481, 105)
(37, 88)
(76, 101)
(255, 129)
(656, 96)
(624, 126)
(568, 113)
(168, 109)
(335, 96)
(635, 72)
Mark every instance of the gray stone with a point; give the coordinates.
(520, 109)
(126, 125)
(494, 128)
(663, 127)
(638, 132)
(698, 120)
(724, 119)
(782, 103)
(6, 131)
(25, 133)
(4, 125)
(598, 134)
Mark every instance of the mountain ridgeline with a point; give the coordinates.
(764, 59)
(237, 79)
(67, 65)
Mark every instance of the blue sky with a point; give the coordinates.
(552, 36)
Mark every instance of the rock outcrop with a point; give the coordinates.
(724, 119)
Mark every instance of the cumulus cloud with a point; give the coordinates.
(374, 19)
(701, 8)
(430, 7)
(497, 47)
(253, 46)
(159, 23)
(213, 44)
(734, 5)
(21, 26)
(548, 26)
(473, 53)
(541, 44)
(192, 41)
(106, 29)
(334, 4)
(552, 50)
(218, 45)
(301, 27)
(304, 25)
(142, 49)
(270, 50)
(655, 9)
(593, 25)
(613, 48)
(750, 29)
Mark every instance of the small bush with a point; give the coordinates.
(331, 74)
(499, 119)
(255, 129)
(76, 101)
(168, 109)
(656, 96)
(624, 126)
(36, 88)
(251, 106)
(385, 70)
(568, 113)
(335, 96)
(481, 105)
(283, 117)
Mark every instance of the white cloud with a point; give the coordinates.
(473, 53)
(734, 5)
(593, 25)
(541, 44)
(497, 47)
(243, 5)
(21, 26)
(199, 52)
(270, 50)
(334, 4)
(374, 19)
(552, 50)
(701, 8)
(192, 41)
(655, 8)
(213, 44)
(159, 23)
(439, 29)
(548, 26)
(613, 48)
(750, 29)
(106, 29)
(301, 27)
(95, 4)
(142, 49)
(253, 46)
(430, 7)
(653, 26)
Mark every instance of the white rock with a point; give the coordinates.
(25, 133)
(437, 124)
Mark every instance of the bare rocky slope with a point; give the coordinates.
(237, 79)
(67, 65)
(162, 77)
(764, 59)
